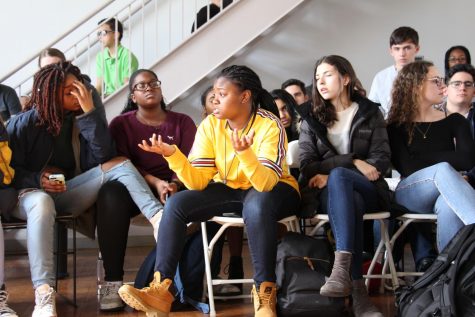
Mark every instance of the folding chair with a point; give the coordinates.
(384, 242)
(69, 221)
(290, 222)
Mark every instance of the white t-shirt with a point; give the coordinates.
(381, 88)
(339, 133)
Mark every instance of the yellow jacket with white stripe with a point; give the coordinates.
(6, 172)
(212, 157)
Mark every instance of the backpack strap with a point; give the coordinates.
(180, 295)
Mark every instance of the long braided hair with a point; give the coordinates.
(246, 79)
(47, 94)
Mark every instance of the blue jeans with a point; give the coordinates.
(260, 211)
(441, 190)
(39, 209)
(347, 197)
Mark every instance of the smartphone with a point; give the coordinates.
(57, 179)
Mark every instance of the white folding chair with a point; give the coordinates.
(405, 220)
(384, 242)
(290, 222)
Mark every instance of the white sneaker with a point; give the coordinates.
(109, 299)
(5, 311)
(45, 302)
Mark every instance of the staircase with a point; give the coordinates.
(158, 33)
(197, 58)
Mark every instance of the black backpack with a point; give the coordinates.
(302, 264)
(447, 288)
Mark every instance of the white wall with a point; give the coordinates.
(358, 30)
(52, 18)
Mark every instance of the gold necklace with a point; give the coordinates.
(424, 134)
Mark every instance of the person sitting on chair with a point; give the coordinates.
(344, 153)
(242, 148)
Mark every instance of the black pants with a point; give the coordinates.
(115, 207)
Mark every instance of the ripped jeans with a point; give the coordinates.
(39, 209)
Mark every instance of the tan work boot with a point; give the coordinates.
(362, 306)
(339, 282)
(264, 300)
(155, 301)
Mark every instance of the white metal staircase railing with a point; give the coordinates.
(152, 29)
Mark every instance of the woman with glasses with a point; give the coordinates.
(143, 115)
(428, 149)
(456, 55)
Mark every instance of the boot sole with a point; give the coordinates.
(138, 304)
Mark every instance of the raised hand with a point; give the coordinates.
(243, 143)
(83, 95)
(157, 146)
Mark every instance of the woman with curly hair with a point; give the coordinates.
(428, 149)
(344, 153)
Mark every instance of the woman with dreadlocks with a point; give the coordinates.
(242, 148)
(63, 133)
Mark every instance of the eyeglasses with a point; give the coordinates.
(103, 33)
(458, 59)
(458, 84)
(142, 86)
(439, 81)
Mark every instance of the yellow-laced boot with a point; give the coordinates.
(264, 300)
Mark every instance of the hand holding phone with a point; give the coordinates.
(57, 179)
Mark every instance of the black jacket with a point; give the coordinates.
(32, 145)
(368, 142)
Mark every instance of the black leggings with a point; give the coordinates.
(115, 207)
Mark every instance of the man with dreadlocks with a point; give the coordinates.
(62, 132)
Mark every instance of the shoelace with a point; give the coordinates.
(265, 298)
(110, 289)
(3, 298)
(5, 309)
(3, 303)
(46, 300)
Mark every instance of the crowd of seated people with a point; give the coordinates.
(157, 162)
